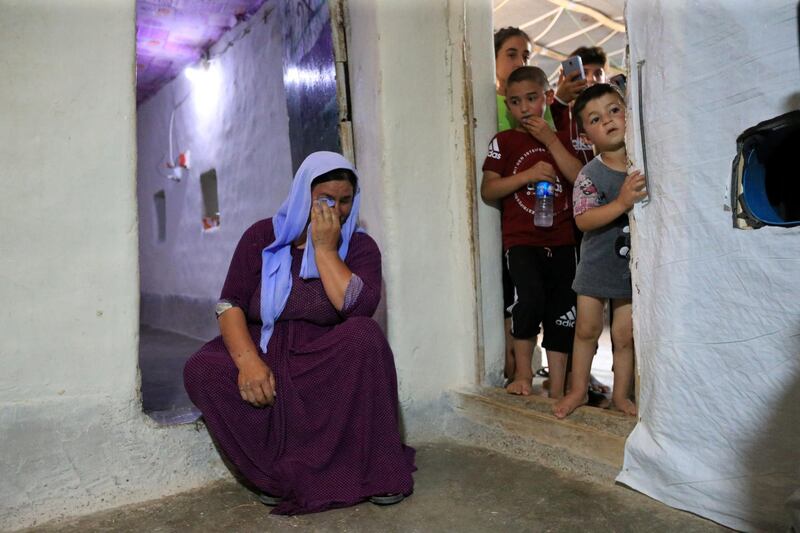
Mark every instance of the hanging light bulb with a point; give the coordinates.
(206, 79)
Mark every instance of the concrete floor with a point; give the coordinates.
(457, 489)
(162, 355)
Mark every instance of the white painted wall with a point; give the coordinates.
(412, 133)
(72, 435)
(716, 309)
(233, 119)
(480, 46)
(366, 121)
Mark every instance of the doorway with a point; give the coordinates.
(555, 29)
(222, 89)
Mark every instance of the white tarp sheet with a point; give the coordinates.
(716, 309)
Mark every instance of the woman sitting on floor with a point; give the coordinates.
(300, 391)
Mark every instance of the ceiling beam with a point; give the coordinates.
(616, 52)
(556, 16)
(540, 18)
(585, 29)
(602, 41)
(504, 2)
(602, 18)
(539, 49)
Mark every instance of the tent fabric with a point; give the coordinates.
(716, 309)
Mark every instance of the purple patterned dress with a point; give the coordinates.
(331, 438)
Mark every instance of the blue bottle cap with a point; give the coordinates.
(544, 188)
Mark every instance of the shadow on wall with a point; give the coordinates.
(773, 462)
(792, 102)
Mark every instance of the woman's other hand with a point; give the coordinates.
(325, 227)
(256, 383)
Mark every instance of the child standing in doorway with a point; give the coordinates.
(604, 193)
(541, 260)
(512, 49)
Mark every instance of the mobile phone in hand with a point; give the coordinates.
(571, 65)
(621, 81)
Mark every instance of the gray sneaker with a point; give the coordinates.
(269, 499)
(386, 499)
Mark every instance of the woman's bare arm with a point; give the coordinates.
(334, 274)
(325, 233)
(256, 381)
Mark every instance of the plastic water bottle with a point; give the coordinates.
(543, 210)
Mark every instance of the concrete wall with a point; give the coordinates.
(366, 122)
(72, 435)
(479, 38)
(232, 118)
(411, 110)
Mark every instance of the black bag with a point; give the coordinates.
(765, 187)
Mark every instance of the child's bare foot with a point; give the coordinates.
(566, 405)
(625, 405)
(520, 387)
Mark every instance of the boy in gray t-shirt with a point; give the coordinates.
(603, 194)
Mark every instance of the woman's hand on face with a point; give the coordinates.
(257, 383)
(325, 227)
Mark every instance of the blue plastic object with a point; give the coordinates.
(544, 188)
(754, 186)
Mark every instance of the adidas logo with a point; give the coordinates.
(567, 320)
(494, 149)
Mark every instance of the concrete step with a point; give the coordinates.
(589, 443)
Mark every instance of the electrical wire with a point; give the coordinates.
(205, 57)
(172, 124)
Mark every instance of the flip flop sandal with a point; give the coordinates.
(543, 372)
(269, 499)
(388, 498)
(598, 387)
(597, 399)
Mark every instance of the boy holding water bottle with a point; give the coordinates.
(529, 159)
